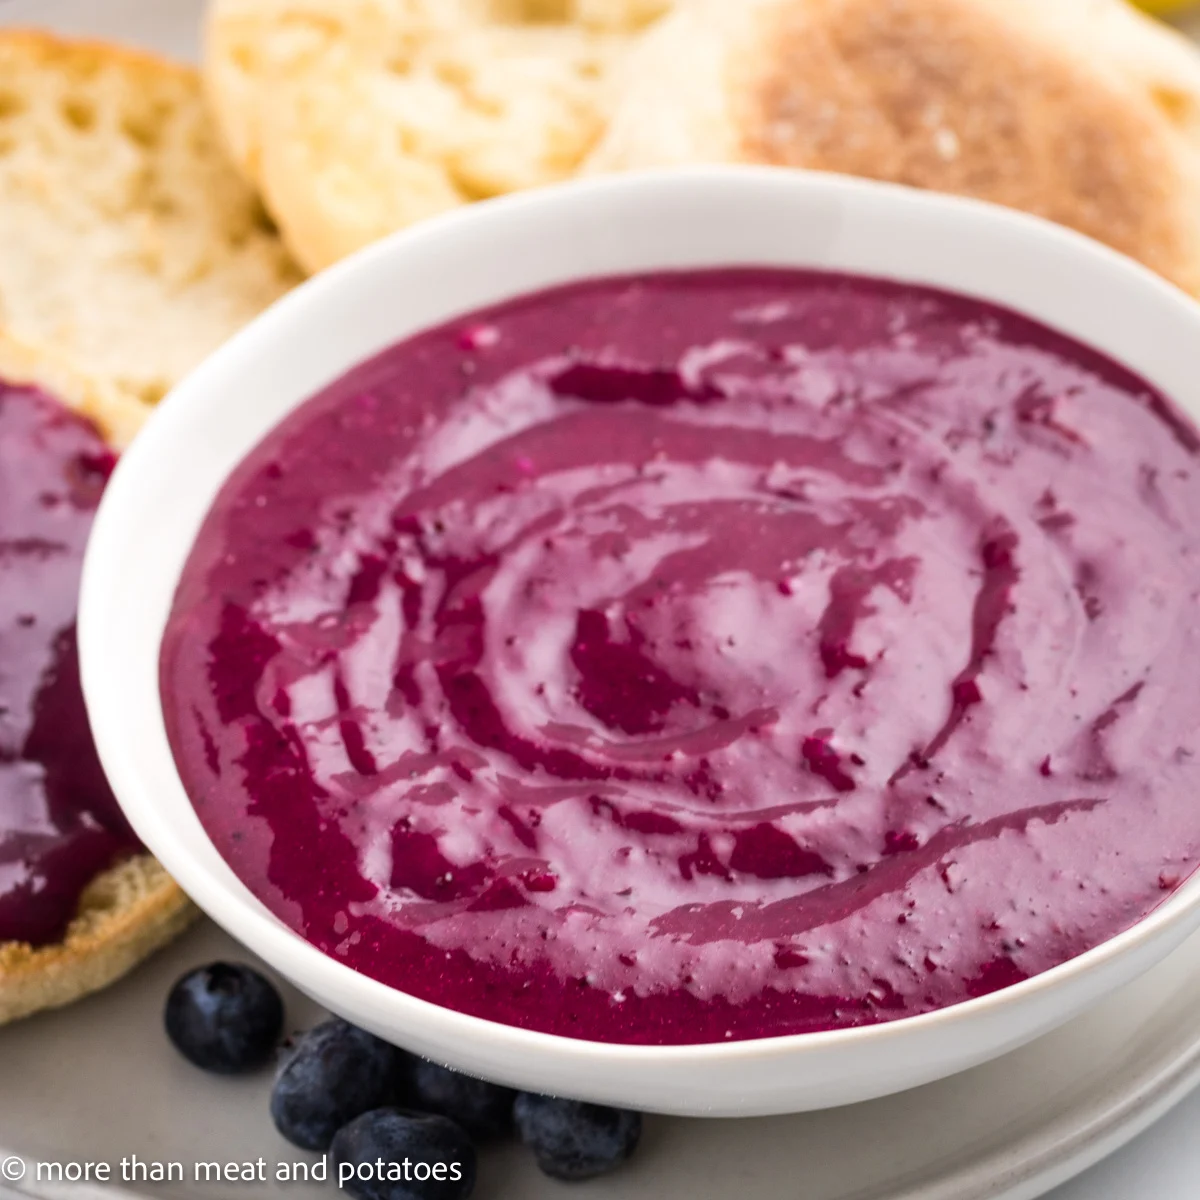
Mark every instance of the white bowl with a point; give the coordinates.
(164, 485)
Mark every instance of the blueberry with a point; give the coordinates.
(396, 1154)
(336, 1072)
(572, 1140)
(224, 1018)
(484, 1110)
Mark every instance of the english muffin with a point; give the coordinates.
(129, 246)
(134, 907)
(1081, 111)
(356, 118)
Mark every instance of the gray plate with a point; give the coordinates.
(98, 1082)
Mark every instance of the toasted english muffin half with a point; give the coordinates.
(356, 118)
(130, 247)
(133, 908)
(125, 915)
(1082, 111)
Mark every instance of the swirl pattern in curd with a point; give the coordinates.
(704, 656)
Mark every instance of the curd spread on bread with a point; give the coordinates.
(704, 656)
(59, 823)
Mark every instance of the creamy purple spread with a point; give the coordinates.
(704, 656)
(59, 822)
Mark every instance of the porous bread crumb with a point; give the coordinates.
(129, 246)
(116, 415)
(359, 117)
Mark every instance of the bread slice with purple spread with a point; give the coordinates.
(129, 249)
(131, 909)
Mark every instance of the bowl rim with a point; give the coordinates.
(251, 924)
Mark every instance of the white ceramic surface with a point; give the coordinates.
(165, 483)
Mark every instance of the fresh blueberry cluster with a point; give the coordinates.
(396, 1127)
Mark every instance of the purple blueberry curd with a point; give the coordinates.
(704, 656)
(59, 823)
